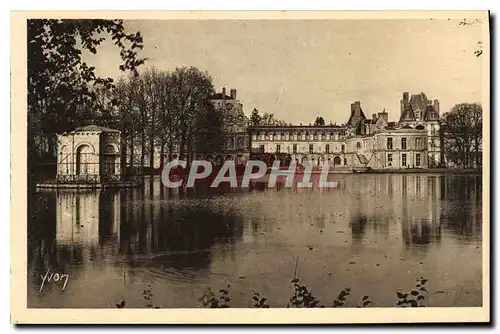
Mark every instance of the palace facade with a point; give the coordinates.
(362, 142)
(374, 142)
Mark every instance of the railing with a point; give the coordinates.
(87, 178)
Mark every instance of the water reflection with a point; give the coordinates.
(187, 235)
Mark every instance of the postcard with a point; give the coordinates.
(287, 167)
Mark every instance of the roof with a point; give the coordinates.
(220, 96)
(94, 128)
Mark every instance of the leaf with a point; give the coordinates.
(413, 303)
(365, 297)
(414, 293)
(400, 295)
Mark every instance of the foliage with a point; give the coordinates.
(266, 119)
(148, 297)
(301, 298)
(255, 118)
(169, 110)
(365, 302)
(59, 81)
(319, 121)
(413, 298)
(341, 299)
(121, 304)
(258, 301)
(463, 127)
(210, 300)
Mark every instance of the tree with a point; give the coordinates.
(171, 111)
(319, 121)
(191, 90)
(255, 118)
(462, 128)
(60, 82)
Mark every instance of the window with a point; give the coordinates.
(418, 143)
(294, 148)
(342, 149)
(389, 159)
(299, 136)
(358, 145)
(278, 148)
(323, 137)
(417, 159)
(311, 147)
(327, 148)
(389, 143)
(261, 148)
(403, 159)
(315, 136)
(345, 161)
(403, 143)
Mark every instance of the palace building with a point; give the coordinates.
(362, 142)
(374, 142)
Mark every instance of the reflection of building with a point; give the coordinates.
(88, 153)
(86, 217)
(361, 142)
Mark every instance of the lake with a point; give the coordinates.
(374, 233)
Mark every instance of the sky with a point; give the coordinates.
(301, 69)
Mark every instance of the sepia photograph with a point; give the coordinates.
(329, 167)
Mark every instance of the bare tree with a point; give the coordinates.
(463, 134)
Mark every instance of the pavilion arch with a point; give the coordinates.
(110, 152)
(110, 149)
(84, 158)
(85, 144)
(113, 146)
(337, 161)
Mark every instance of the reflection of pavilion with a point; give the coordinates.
(86, 217)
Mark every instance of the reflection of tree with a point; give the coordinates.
(421, 232)
(358, 227)
(184, 230)
(149, 222)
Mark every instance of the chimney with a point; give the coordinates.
(356, 107)
(384, 115)
(436, 106)
(362, 128)
(233, 94)
(406, 97)
(223, 90)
